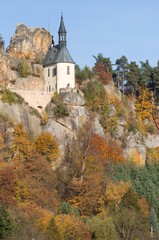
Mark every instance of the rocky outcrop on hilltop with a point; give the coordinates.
(29, 43)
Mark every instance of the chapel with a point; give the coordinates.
(59, 67)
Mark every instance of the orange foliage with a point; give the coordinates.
(39, 181)
(102, 73)
(136, 157)
(144, 205)
(39, 216)
(87, 194)
(8, 185)
(103, 151)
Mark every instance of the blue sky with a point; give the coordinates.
(111, 27)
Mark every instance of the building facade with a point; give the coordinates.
(59, 67)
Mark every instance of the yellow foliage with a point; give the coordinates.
(46, 144)
(144, 104)
(22, 191)
(71, 227)
(21, 145)
(1, 142)
(44, 118)
(115, 191)
(152, 155)
(136, 157)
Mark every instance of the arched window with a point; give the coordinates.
(68, 70)
(48, 72)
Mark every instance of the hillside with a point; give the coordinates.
(87, 165)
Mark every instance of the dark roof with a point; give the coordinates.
(64, 56)
(56, 55)
(62, 28)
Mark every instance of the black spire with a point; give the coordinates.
(62, 33)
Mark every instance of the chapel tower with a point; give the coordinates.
(59, 67)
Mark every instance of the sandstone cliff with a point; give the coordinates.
(30, 43)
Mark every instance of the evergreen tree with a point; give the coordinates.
(146, 74)
(6, 223)
(122, 68)
(155, 83)
(153, 223)
(133, 76)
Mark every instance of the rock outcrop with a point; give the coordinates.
(22, 113)
(29, 43)
(67, 127)
(5, 70)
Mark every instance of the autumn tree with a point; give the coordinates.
(131, 225)
(102, 228)
(71, 227)
(103, 69)
(38, 182)
(9, 184)
(114, 193)
(46, 144)
(21, 144)
(53, 232)
(145, 104)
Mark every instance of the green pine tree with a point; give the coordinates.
(6, 223)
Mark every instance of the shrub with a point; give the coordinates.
(11, 97)
(60, 110)
(24, 69)
(66, 208)
(44, 118)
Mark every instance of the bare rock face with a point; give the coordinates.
(1, 44)
(73, 98)
(22, 113)
(6, 73)
(136, 148)
(111, 90)
(29, 43)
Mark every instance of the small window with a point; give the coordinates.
(54, 72)
(49, 88)
(48, 72)
(68, 70)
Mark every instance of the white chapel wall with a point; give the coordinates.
(63, 79)
(50, 81)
